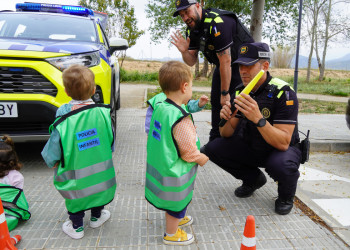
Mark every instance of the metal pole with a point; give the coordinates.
(298, 45)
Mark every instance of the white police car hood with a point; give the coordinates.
(66, 47)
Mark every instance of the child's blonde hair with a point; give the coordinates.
(79, 82)
(172, 74)
(8, 156)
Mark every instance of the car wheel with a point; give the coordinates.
(113, 109)
(118, 101)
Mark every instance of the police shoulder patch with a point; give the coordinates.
(266, 113)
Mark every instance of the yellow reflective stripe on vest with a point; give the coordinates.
(280, 93)
(77, 194)
(84, 172)
(218, 20)
(169, 196)
(171, 181)
(208, 20)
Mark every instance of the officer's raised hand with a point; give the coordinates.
(180, 42)
(249, 107)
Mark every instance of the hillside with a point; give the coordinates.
(153, 66)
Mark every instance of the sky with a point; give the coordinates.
(144, 48)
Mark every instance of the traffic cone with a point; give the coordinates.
(248, 240)
(6, 242)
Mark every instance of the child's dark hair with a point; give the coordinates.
(8, 156)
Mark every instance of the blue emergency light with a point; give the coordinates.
(54, 8)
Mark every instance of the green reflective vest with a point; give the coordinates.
(169, 179)
(85, 176)
(159, 98)
(15, 205)
(156, 100)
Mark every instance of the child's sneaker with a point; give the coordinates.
(78, 233)
(181, 238)
(97, 222)
(186, 221)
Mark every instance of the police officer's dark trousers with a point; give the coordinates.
(216, 96)
(237, 158)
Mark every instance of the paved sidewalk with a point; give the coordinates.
(219, 215)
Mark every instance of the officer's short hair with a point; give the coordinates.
(79, 82)
(172, 74)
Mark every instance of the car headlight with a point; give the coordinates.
(88, 60)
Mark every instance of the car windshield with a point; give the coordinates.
(40, 26)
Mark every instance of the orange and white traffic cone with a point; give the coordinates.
(248, 240)
(6, 242)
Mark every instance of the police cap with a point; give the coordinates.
(182, 4)
(251, 53)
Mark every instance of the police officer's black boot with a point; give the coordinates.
(245, 190)
(283, 206)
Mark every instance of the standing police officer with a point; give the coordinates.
(218, 34)
(263, 133)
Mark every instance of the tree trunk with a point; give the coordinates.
(315, 11)
(204, 71)
(327, 22)
(196, 71)
(257, 19)
(308, 73)
(212, 70)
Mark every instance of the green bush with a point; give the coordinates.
(135, 76)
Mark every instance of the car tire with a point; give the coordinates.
(113, 109)
(118, 101)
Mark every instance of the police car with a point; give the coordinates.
(37, 42)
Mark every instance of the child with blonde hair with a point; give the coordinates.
(173, 153)
(80, 148)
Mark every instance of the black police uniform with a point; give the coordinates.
(246, 150)
(217, 39)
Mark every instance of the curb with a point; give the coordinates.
(342, 232)
(329, 146)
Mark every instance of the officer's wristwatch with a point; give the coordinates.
(224, 92)
(261, 123)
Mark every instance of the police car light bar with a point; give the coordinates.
(54, 8)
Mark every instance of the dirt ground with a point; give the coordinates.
(153, 66)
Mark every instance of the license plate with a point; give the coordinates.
(8, 109)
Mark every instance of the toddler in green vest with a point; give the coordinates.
(11, 184)
(80, 149)
(173, 153)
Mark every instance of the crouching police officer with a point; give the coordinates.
(261, 132)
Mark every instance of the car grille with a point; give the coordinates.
(25, 81)
(15, 128)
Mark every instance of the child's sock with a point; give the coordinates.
(170, 235)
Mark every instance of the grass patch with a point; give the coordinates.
(321, 107)
(136, 76)
(330, 86)
(305, 106)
